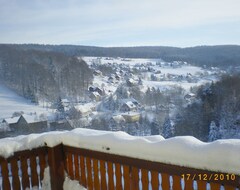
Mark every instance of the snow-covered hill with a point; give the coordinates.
(11, 102)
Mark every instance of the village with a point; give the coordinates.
(131, 95)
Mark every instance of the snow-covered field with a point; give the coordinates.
(126, 61)
(10, 102)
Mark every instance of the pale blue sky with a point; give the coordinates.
(181, 23)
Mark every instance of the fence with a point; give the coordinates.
(98, 170)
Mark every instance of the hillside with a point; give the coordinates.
(43, 75)
(11, 102)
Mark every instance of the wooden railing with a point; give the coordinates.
(23, 169)
(98, 170)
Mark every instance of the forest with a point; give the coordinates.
(217, 109)
(217, 56)
(43, 75)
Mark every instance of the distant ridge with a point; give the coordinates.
(219, 55)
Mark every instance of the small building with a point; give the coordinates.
(95, 96)
(26, 124)
(11, 122)
(128, 106)
(131, 117)
(65, 102)
(190, 96)
(99, 90)
(97, 73)
(91, 89)
(80, 111)
(117, 77)
(60, 125)
(96, 89)
(110, 79)
(116, 123)
(32, 124)
(130, 82)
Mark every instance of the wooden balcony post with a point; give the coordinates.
(56, 165)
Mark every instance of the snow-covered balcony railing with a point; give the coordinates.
(116, 160)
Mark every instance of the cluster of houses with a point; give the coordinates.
(26, 124)
(128, 112)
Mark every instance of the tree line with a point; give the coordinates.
(220, 56)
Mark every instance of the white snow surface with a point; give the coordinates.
(10, 102)
(72, 185)
(221, 155)
(46, 182)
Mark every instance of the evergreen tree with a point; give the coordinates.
(60, 108)
(168, 128)
(213, 132)
(154, 128)
(140, 81)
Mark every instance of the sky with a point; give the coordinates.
(180, 23)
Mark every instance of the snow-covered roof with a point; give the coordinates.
(131, 80)
(31, 118)
(131, 114)
(83, 108)
(130, 104)
(220, 155)
(128, 100)
(12, 120)
(96, 94)
(64, 100)
(191, 94)
(118, 118)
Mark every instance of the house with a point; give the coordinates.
(97, 73)
(91, 89)
(11, 122)
(95, 96)
(60, 125)
(116, 123)
(128, 106)
(32, 124)
(130, 82)
(83, 122)
(190, 96)
(117, 77)
(79, 111)
(96, 89)
(26, 124)
(99, 90)
(111, 79)
(131, 117)
(65, 102)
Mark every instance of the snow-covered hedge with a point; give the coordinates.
(221, 155)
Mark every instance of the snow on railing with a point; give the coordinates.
(116, 160)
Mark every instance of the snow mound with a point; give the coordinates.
(72, 184)
(221, 155)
